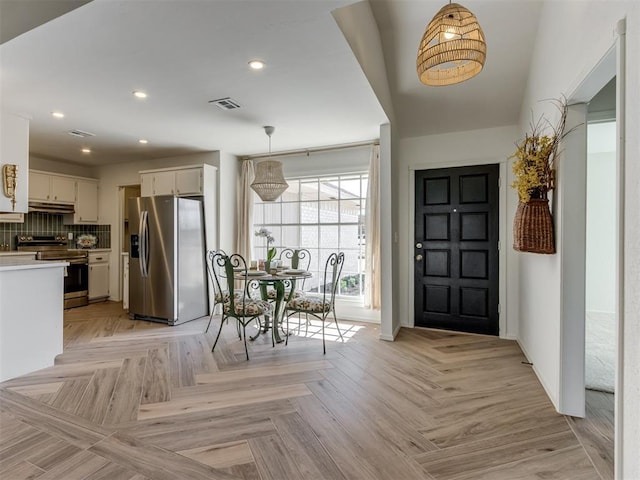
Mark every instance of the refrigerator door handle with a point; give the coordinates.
(144, 244)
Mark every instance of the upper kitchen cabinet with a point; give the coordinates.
(185, 181)
(45, 187)
(86, 210)
(78, 193)
(14, 163)
(39, 186)
(193, 180)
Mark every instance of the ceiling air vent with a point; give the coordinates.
(225, 103)
(80, 133)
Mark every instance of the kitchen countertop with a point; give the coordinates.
(15, 263)
(11, 253)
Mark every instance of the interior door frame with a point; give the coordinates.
(502, 232)
(571, 397)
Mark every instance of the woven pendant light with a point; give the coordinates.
(269, 182)
(452, 49)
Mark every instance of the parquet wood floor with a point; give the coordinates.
(138, 400)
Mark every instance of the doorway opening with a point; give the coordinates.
(601, 250)
(592, 290)
(125, 192)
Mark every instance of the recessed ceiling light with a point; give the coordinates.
(139, 94)
(58, 114)
(142, 140)
(256, 64)
(86, 150)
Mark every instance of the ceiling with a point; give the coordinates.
(493, 98)
(184, 53)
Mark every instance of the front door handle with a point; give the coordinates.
(418, 257)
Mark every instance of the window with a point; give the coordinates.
(323, 215)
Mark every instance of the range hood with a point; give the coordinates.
(55, 208)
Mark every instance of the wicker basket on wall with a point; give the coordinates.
(533, 227)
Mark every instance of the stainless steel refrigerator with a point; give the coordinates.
(167, 268)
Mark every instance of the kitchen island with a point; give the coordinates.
(31, 314)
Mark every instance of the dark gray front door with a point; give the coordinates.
(456, 249)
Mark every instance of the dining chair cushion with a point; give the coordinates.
(224, 297)
(248, 308)
(309, 303)
(272, 294)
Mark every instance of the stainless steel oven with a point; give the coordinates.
(54, 247)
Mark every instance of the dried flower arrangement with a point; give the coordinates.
(534, 170)
(535, 156)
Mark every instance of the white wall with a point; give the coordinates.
(228, 171)
(573, 37)
(477, 147)
(330, 162)
(14, 148)
(58, 166)
(389, 247)
(360, 29)
(601, 227)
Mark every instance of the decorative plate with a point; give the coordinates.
(86, 240)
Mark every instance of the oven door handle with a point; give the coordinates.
(144, 243)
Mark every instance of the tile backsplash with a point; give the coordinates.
(49, 224)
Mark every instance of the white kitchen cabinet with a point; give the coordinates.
(63, 189)
(164, 183)
(81, 192)
(98, 276)
(39, 186)
(179, 181)
(146, 184)
(86, 203)
(47, 187)
(189, 181)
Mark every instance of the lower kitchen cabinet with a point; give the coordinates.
(98, 276)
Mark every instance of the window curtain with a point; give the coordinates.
(244, 225)
(372, 220)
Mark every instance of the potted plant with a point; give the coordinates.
(534, 170)
(271, 251)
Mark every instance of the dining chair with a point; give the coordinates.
(300, 259)
(320, 306)
(236, 301)
(220, 292)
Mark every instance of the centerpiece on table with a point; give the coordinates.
(534, 170)
(271, 251)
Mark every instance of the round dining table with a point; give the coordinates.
(280, 281)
